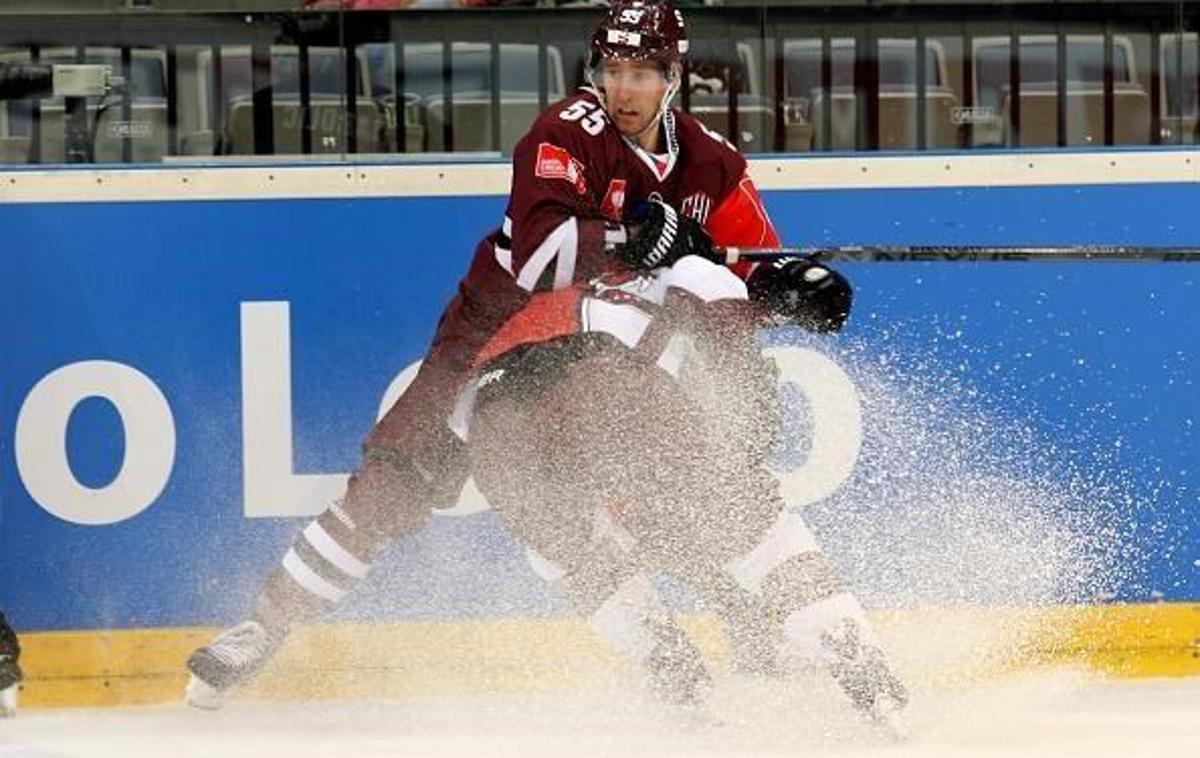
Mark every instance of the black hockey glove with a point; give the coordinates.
(803, 292)
(659, 236)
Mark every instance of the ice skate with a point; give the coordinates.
(10, 670)
(230, 660)
(10, 684)
(862, 671)
(676, 669)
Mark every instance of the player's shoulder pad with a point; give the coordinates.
(705, 279)
(571, 120)
(709, 150)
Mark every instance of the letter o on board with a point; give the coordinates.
(41, 449)
(837, 424)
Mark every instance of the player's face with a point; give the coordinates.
(633, 93)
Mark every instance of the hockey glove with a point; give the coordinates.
(659, 236)
(803, 292)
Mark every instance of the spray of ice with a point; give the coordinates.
(959, 504)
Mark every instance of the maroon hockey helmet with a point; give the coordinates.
(640, 30)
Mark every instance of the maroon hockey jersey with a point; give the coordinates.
(574, 176)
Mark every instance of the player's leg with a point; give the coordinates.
(10, 669)
(760, 566)
(386, 498)
(541, 454)
(411, 462)
(761, 570)
(620, 604)
(788, 576)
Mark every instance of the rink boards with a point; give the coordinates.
(193, 354)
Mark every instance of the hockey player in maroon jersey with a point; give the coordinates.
(621, 427)
(585, 164)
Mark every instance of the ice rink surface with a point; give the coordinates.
(1048, 714)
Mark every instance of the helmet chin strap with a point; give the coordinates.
(662, 108)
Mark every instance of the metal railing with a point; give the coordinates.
(772, 78)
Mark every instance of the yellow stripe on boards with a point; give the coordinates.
(439, 658)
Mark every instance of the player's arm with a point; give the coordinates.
(553, 231)
(740, 219)
(657, 235)
(797, 291)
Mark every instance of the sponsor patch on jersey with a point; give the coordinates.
(614, 200)
(554, 162)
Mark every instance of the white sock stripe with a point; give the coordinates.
(622, 618)
(333, 552)
(787, 537)
(8, 700)
(309, 579)
(805, 628)
(661, 247)
(672, 216)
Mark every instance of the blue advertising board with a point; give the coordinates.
(182, 374)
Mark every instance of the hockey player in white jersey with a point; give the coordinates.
(621, 428)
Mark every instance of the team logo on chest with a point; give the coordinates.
(697, 206)
(614, 200)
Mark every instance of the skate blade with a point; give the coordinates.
(8, 702)
(202, 695)
(695, 716)
(888, 722)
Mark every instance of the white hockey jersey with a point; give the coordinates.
(641, 311)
